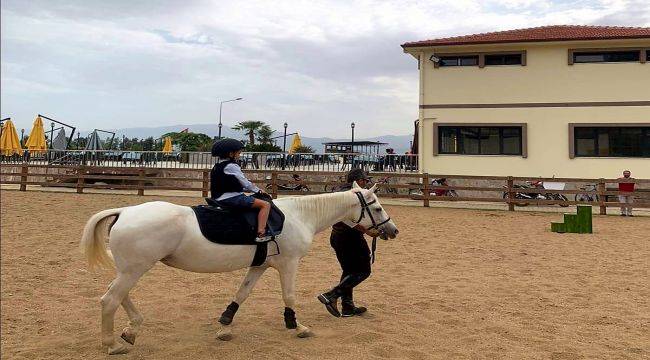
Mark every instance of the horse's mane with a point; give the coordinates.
(316, 205)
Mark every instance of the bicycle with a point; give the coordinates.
(587, 197)
(385, 181)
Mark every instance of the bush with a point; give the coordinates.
(262, 148)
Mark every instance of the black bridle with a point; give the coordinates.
(365, 208)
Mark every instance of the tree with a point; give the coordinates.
(264, 134)
(189, 141)
(250, 128)
(147, 144)
(304, 149)
(262, 148)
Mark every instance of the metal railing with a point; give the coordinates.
(204, 160)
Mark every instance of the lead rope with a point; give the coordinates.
(374, 247)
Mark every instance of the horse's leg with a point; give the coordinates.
(288, 282)
(135, 320)
(254, 273)
(118, 289)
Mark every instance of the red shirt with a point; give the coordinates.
(627, 187)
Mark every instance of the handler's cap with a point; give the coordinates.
(356, 174)
(223, 147)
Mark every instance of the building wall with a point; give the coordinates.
(548, 143)
(546, 78)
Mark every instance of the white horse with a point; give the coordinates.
(156, 231)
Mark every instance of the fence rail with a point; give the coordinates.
(204, 160)
(420, 187)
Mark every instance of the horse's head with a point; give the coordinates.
(371, 214)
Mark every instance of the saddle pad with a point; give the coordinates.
(223, 226)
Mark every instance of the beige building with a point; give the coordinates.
(564, 101)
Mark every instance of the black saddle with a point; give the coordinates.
(223, 225)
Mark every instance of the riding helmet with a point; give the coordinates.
(356, 174)
(223, 147)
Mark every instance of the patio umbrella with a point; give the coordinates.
(295, 144)
(36, 141)
(60, 142)
(9, 143)
(414, 147)
(93, 142)
(167, 148)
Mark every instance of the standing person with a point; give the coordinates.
(352, 253)
(228, 182)
(626, 196)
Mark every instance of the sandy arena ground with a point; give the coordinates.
(456, 283)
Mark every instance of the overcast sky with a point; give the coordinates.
(317, 65)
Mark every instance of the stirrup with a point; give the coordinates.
(265, 238)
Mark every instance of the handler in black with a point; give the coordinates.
(354, 256)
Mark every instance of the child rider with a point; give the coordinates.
(228, 183)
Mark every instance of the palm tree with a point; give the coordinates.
(250, 127)
(264, 134)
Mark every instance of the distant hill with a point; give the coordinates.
(398, 142)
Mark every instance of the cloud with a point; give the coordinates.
(316, 64)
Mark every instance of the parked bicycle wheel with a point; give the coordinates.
(586, 197)
(506, 196)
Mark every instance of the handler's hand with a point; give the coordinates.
(372, 232)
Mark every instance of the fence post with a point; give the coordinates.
(80, 179)
(425, 190)
(601, 196)
(511, 194)
(205, 183)
(23, 177)
(140, 181)
(274, 184)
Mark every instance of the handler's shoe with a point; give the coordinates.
(348, 309)
(330, 303)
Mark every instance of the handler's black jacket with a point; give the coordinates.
(351, 248)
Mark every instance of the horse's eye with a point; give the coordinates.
(378, 210)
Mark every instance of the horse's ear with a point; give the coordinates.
(355, 185)
(373, 188)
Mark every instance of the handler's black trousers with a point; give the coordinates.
(354, 256)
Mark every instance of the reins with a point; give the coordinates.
(365, 207)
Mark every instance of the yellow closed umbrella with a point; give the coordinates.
(36, 142)
(9, 143)
(295, 144)
(167, 148)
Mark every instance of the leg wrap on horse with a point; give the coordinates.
(229, 313)
(290, 318)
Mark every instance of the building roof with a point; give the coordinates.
(540, 34)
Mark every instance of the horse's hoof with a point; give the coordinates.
(224, 334)
(303, 332)
(118, 349)
(128, 336)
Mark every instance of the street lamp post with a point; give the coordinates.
(352, 126)
(284, 146)
(51, 135)
(220, 107)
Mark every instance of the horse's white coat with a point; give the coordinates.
(160, 231)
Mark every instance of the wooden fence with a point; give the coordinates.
(393, 185)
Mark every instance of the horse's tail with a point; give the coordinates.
(93, 240)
